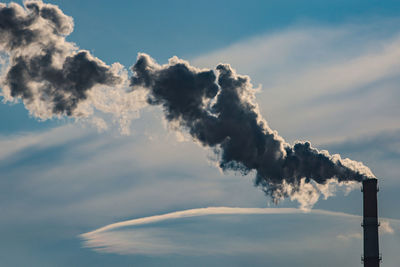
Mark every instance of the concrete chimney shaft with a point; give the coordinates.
(370, 223)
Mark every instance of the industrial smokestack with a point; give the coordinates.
(370, 223)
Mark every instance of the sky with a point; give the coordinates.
(325, 72)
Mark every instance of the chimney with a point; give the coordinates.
(370, 223)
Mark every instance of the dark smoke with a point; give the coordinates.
(220, 112)
(217, 107)
(45, 69)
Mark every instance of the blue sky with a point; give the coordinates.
(328, 73)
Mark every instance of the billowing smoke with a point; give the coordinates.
(219, 111)
(217, 107)
(51, 75)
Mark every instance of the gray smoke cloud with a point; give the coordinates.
(49, 74)
(218, 109)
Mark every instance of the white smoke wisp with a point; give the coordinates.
(116, 102)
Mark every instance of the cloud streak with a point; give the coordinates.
(324, 77)
(193, 213)
(135, 236)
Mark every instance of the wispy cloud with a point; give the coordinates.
(194, 213)
(346, 237)
(318, 81)
(134, 236)
(386, 228)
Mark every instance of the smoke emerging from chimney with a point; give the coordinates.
(217, 107)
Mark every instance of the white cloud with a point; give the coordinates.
(347, 237)
(56, 136)
(386, 228)
(154, 235)
(193, 213)
(94, 177)
(138, 239)
(322, 83)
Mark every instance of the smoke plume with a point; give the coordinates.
(217, 107)
(51, 75)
